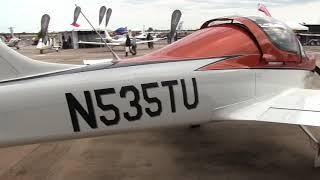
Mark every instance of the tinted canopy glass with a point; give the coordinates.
(279, 33)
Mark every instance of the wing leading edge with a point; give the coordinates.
(99, 43)
(295, 106)
(117, 43)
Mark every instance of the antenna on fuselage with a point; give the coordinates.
(79, 11)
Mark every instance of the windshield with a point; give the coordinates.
(279, 33)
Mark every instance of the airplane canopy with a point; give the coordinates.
(279, 33)
(234, 36)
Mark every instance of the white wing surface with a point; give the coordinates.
(295, 106)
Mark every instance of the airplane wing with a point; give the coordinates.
(148, 41)
(99, 43)
(295, 106)
(116, 43)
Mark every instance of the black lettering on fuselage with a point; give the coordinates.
(134, 103)
(185, 95)
(109, 107)
(150, 100)
(75, 106)
(170, 85)
(135, 111)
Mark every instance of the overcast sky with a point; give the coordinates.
(25, 15)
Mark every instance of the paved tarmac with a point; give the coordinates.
(219, 151)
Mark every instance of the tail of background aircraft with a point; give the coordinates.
(143, 30)
(108, 37)
(121, 30)
(11, 31)
(180, 26)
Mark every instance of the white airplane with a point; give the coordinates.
(14, 41)
(144, 34)
(235, 70)
(120, 41)
(109, 40)
(51, 43)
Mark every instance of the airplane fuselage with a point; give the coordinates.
(130, 97)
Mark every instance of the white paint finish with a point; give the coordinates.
(226, 87)
(97, 61)
(293, 106)
(291, 116)
(269, 81)
(302, 99)
(36, 109)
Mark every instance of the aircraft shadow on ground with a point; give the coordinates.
(259, 149)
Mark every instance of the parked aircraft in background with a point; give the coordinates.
(14, 41)
(48, 44)
(120, 41)
(121, 31)
(121, 38)
(144, 34)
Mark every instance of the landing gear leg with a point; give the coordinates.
(307, 131)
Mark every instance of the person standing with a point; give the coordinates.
(150, 38)
(175, 37)
(69, 42)
(134, 45)
(168, 38)
(128, 44)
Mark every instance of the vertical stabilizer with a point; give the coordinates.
(11, 32)
(14, 65)
(108, 37)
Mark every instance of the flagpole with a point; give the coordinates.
(105, 42)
